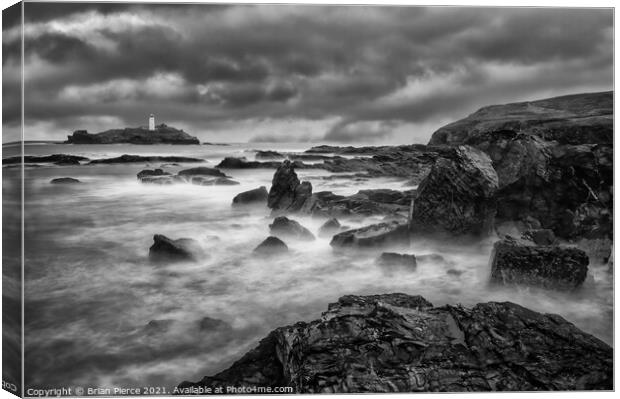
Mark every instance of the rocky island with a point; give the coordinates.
(162, 134)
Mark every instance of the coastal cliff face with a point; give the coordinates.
(402, 343)
(574, 119)
(161, 135)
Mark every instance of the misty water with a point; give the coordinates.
(91, 291)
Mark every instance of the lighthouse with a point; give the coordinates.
(152, 122)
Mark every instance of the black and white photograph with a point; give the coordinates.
(242, 198)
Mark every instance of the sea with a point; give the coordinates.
(99, 314)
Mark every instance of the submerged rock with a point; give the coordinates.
(165, 249)
(212, 181)
(202, 171)
(255, 196)
(64, 180)
(329, 228)
(375, 235)
(401, 343)
(208, 324)
(271, 246)
(394, 259)
(519, 262)
(139, 158)
(288, 228)
(458, 196)
(287, 193)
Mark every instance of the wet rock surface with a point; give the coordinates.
(458, 196)
(393, 259)
(271, 246)
(287, 228)
(373, 236)
(401, 343)
(520, 262)
(165, 249)
(251, 197)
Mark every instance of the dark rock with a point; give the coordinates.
(519, 262)
(268, 155)
(146, 159)
(574, 119)
(271, 246)
(540, 236)
(64, 180)
(150, 173)
(255, 196)
(208, 324)
(156, 327)
(329, 228)
(212, 181)
(287, 193)
(288, 228)
(363, 203)
(166, 250)
(202, 171)
(242, 163)
(455, 272)
(376, 235)
(458, 196)
(392, 259)
(401, 343)
(58, 159)
(161, 135)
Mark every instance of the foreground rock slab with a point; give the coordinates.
(401, 343)
(519, 262)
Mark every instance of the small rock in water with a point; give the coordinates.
(285, 227)
(329, 228)
(395, 259)
(210, 324)
(150, 173)
(255, 196)
(271, 246)
(158, 326)
(455, 272)
(375, 235)
(520, 262)
(65, 180)
(166, 250)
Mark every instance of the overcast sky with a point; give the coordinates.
(292, 73)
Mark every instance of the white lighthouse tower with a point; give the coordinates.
(152, 122)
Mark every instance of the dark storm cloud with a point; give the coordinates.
(372, 69)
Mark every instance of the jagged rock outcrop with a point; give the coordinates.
(458, 196)
(574, 119)
(520, 262)
(373, 236)
(64, 180)
(363, 203)
(251, 197)
(271, 246)
(165, 249)
(287, 193)
(161, 135)
(401, 343)
(287, 228)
